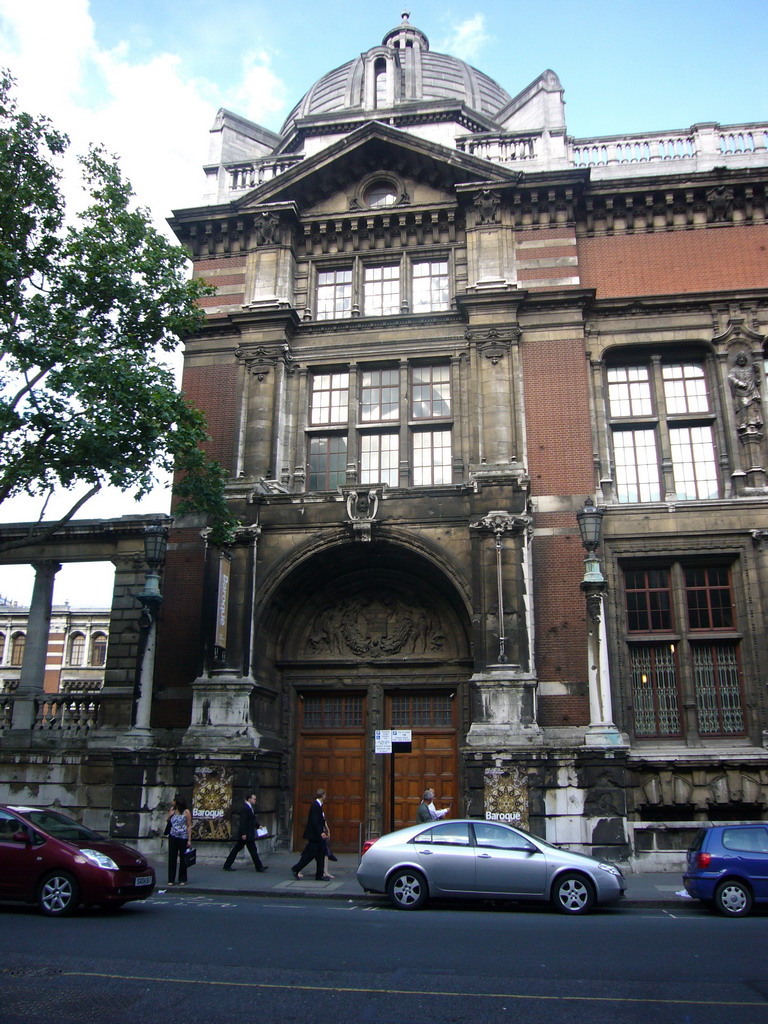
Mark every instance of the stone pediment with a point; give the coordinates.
(338, 169)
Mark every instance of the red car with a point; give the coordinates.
(48, 859)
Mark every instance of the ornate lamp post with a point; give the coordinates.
(601, 731)
(155, 548)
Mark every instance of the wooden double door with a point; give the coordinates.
(335, 752)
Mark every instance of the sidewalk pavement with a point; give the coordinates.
(208, 876)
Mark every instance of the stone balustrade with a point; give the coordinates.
(499, 147)
(706, 144)
(249, 175)
(56, 714)
(702, 147)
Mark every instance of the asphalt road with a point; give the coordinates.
(197, 959)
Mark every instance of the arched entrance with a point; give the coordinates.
(370, 637)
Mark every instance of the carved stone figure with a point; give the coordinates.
(487, 206)
(745, 388)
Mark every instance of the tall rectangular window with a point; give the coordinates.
(655, 697)
(431, 457)
(430, 286)
(327, 462)
(629, 391)
(673, 430)
(430, 392)
(637, 465)
(693, 462)
(330, 398)
(381, 290)
(380, 396)
(334, 294)
(685, 389)
(379, 459)
(687, 667)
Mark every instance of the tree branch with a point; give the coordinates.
(39, 536)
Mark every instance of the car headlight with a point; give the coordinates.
(101, 860)
(610, 869)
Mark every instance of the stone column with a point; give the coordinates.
(601, 731)
(36, 647)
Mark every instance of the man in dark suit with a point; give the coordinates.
(315, 833)
(246, 836)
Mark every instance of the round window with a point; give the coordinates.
(381, 193)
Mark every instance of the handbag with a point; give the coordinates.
(190, 857)
(167, 830)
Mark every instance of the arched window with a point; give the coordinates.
(2, 646)
(17, 649)
(380, 80)
(99, 650)
(76, 649)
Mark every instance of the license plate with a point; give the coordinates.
(143, 880)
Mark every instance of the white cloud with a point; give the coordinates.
(467, 39)
(260, 93)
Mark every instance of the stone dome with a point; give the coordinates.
(417, 76)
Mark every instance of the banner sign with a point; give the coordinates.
(222, 600)
(212, 802)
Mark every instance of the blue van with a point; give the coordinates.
(728, 867)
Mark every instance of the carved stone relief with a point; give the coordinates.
(375, 626)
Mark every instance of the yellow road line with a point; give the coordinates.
(410, 992)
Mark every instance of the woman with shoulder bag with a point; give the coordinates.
(179, 831)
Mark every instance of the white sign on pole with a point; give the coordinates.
(401, 736)
(383, 741)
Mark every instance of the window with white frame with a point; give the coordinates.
(380, 459)
(98, 650)
(379, 288)
(330, 398)
(334, 294)
(76, 649)
(684, 649)
(430, 286)
(661, 414)
(386, 435)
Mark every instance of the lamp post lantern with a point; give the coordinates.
(601, 731)
(155, 548)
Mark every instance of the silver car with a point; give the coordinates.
(486, 859)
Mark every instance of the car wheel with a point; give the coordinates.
(733, 899)
(58, 894)
(573, 894)
(407, 890)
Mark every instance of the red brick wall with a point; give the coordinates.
(180, 633)
(557, 417)
(214, 390)
(560, 463)
(711, 259)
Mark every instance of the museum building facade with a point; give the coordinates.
(440, 325)
(443, 329)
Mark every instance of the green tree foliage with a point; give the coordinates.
(88, 308)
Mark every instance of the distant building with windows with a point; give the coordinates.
(77, 648)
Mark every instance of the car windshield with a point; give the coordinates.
(60, 826)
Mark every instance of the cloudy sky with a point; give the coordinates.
(146, 77)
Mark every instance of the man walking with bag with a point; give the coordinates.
(246, 836)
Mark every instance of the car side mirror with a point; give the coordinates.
(22, 836)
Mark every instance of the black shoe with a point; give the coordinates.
(332, 856)
(262, 868)
(225, 868)
(294, 872)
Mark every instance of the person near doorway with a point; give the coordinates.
(316, 834)
(427, 810)
(179, 832)
(246, 836)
